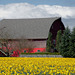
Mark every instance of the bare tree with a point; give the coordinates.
(7, 41)
(4, 41)
(26, 44)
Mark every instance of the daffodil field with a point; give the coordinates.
(37, 66)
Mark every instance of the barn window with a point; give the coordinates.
(38, 50)
(24, 51)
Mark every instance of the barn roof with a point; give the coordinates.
(36, 28)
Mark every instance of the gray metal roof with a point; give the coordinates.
(36, 28)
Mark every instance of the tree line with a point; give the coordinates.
(65, 43)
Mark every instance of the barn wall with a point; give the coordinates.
(34, 50)
(39, 44)
(34, 45)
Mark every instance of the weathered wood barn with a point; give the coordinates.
(36, 29)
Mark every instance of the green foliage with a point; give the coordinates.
(64, 45)
(49, 44)
(72, 44)
(67, 45)
(58, 40)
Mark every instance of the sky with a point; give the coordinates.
(41, 2)
(39, 9)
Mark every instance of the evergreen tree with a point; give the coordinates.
(58, 40)
(64, 45)
(49, 44)
(72, 44)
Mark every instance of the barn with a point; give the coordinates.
(35, 30)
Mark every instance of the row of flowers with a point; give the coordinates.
(37, 66)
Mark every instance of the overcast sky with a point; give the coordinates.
(39, 9)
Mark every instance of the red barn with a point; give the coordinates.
(36, 29)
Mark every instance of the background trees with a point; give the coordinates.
(49, 44)
(67, 44)
(64, 45)
(72, 44)
(58, 40)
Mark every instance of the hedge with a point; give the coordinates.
(55, 53)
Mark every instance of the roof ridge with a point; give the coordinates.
(30, 18)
